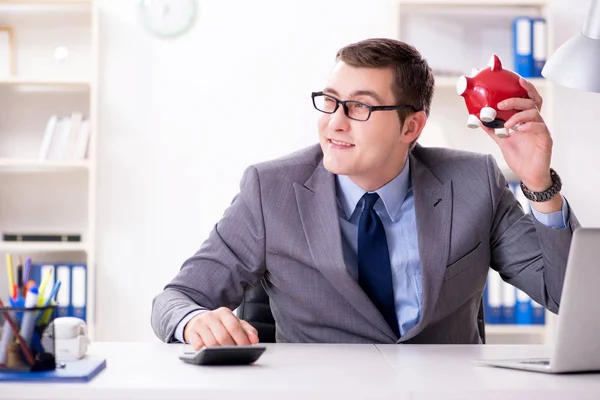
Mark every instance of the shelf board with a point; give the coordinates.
(46, 2)
(46, 83)
(29, 165)
(500, 329)
(42, 247)
(443, 81)
(482, 3)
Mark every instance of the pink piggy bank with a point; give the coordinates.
(482, 92)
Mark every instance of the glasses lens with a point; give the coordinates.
(325, 103)
(358, 111)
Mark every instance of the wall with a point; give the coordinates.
(179, 120)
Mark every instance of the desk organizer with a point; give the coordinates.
(27, 341)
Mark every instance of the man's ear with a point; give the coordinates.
(413, 125)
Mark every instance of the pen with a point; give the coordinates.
(27, 270)
(20, 280)
(11, 277)
(24, 348)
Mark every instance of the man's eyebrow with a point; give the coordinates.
(356, 93)
(369, 93)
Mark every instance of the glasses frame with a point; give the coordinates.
(345, 106)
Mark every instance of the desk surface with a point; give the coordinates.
(301, 371)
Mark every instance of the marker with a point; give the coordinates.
(42, 289)
(29, 317)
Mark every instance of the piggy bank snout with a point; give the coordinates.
(463, 84)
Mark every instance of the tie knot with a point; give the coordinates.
(370, 200)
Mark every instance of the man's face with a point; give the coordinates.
(370, 152)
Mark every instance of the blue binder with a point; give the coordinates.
(523, 46)
(539, 46)
(83, 370)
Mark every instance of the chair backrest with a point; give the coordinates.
(256, 310)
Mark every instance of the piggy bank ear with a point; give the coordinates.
(495, 64)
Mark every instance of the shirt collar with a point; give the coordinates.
(392, 193)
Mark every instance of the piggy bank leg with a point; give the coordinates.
(501, 132)
(487, 114)
(473, 122)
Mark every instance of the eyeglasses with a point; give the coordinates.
(353, 109)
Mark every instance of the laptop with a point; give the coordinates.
(577, 344)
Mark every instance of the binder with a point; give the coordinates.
(494, 297)
(538, 313)
(523, 313)
(539, 46)
(83, 370)
(63, 299)
(79, 291)
(523, 46)
(508, 303)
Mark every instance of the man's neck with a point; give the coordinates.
(371, 183)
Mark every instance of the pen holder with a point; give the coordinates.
(27, 342)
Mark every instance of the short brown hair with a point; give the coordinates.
(413, 78)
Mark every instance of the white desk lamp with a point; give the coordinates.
(576, 64)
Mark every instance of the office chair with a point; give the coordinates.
(256, 310)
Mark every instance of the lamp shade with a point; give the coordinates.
(576, 64)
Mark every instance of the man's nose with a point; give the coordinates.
(339, 121)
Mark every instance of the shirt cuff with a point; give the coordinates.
(556, 220)
(179, 330)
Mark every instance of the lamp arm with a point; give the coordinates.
(591, 27)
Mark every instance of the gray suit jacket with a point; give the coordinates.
(282, 228)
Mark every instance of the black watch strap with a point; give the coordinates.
(546, 194)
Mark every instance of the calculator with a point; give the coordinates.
(223, 355)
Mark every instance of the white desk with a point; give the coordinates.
(291, 371)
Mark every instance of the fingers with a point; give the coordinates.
(195, 341)
(522, 117)
(516, 103)
(235, 329)
(532, 92)
(250, 331)
(219, 328)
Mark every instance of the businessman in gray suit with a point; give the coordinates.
(369, 237)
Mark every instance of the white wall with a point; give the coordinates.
(179, 120)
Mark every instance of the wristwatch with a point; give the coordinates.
(546, 194)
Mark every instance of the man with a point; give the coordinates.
(370, 238)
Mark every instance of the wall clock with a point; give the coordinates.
(167, 18)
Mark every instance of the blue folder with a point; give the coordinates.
(83, 370)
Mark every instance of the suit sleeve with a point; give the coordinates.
(232, 258)
(528, 254)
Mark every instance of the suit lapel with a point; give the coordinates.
(320, 219)
(433, 210)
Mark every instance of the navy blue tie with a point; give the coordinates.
(374, 269)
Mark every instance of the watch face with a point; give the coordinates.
(167, 18)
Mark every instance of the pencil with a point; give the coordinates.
(11, 276)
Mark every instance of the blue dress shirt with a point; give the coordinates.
(396, 209)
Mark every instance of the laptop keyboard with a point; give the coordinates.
(539, 362)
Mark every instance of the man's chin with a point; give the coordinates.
(335, 168)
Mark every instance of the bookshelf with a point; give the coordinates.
(456, 36)
(54, 191)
